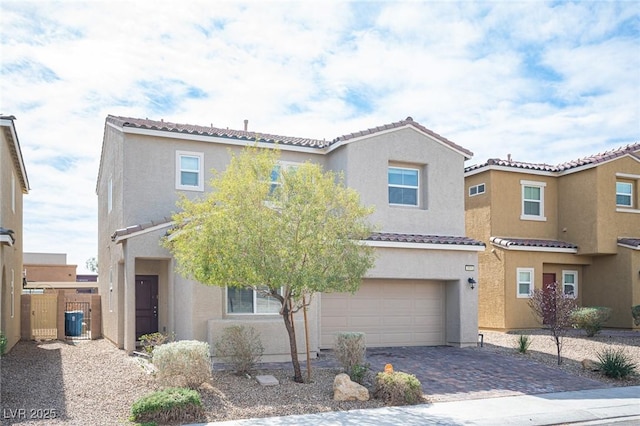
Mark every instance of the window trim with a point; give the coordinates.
(179, 185)
(574, 284)
(541, 185)
(477, 188)
(531, 272)
(255, 304)
(417, 187)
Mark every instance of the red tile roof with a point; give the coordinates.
(424, 239)
(528, 242)
(632, 149)
(166, 126)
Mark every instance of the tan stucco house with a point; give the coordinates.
(576, 223)
(13, 185)
(418, 292)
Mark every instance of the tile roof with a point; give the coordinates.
(242, 135)
(631, 149)
(631, 242)
(8, 232)
(528, 242)
(141, 227)
(424, 239)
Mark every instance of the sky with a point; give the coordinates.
(543, 81)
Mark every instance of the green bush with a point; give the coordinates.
(350, 350)
(150, 341)
(168, 406)
(398, 388)
(635, 313)
(590, 319)
(615, 363)
(185, 363)
(522, 343)
(3, 343)
(241, 347)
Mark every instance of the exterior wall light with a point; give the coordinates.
(472, 283)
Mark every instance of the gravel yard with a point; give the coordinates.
(91, 382)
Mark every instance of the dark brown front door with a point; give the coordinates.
(548, 281)
(146, 304)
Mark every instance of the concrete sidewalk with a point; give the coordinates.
(593, 406)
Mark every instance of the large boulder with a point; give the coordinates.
(346, 390)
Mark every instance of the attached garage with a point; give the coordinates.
(389, 312)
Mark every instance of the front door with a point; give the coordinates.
(146, 304)
(548, 287)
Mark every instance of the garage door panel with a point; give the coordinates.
(390, 313)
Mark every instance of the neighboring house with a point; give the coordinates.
(416, 294)
(576, 223)
(45, 271)
(13, 185)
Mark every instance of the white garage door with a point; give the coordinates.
(389, 312)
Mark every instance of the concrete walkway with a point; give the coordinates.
(620, 406)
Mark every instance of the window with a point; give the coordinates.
(13, 193)
(403, 186)
(189, 171)
(476, 189)
(110, 289)
(570, 283)
(276, 173)
(624, 194)
(13, 297)
(532, 200)
(110, 195)
(248, 301)
(525, 282)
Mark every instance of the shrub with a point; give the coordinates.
(615, 363)
(241, 347)
(167, 406)
(635, 313)
(522, 343)
(3, 343)
(150, 341)
(350, 350)
(398, 388)
(184, 363)
(590, 319)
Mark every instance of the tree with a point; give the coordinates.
(284, 233)
(92, 264)
(554, 309)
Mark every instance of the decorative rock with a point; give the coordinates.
(267, 380)
(346, 390)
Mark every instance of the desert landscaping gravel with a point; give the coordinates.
(93, 383)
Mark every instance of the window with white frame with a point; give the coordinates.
(111, 289)
(532, 200)
(13, 294)
(570, 283)
(525, 282)
(277, 173)
(624, 194)
(189, 174)
(403, 186)
(13, 192)
(110, 195)
(249, 301)
(476, 189)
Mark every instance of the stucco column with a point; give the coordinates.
(129, 301)
(171, 296)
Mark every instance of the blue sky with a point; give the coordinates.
(542, 81)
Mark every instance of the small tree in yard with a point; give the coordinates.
(283, 233)
(554, 309)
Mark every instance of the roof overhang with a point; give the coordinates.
(124, 234)
(14, 148)
(423, 246)
(6, 239)
(508, 244)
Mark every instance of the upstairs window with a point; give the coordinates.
(249, 301)
(476, 189)
(624, 194)
(532, 200)
(110, 195)
(189, 171)
(403, 186)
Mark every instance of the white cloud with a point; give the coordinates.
(546, 82)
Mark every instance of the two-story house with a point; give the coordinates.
(576, 223)
(13, 185)
(418, 292)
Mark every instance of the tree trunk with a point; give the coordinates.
(288, 323)
(559, 347)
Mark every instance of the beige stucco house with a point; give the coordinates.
(13, 185)
(577, 223)
(418, 292)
